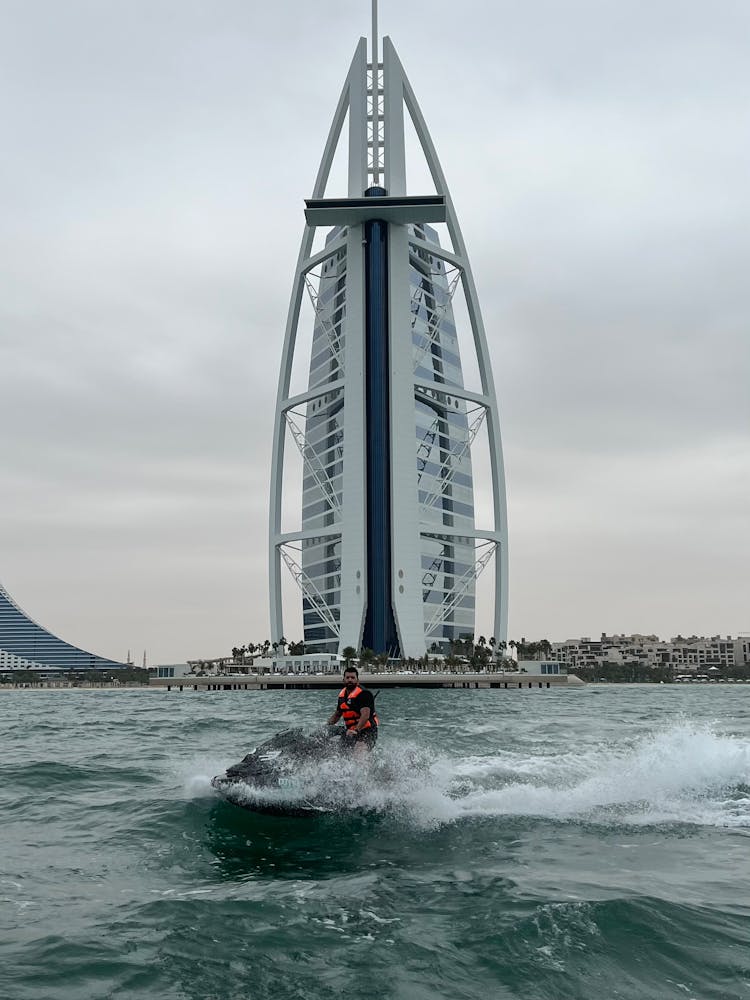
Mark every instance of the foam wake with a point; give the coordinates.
(684, 774)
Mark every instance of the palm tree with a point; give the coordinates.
(493, 656)
(349, 653)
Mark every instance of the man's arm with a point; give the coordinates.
(366, 707)
(364, 717)
(334, 718)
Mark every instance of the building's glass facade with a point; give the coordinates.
(25, 645)
(322, 495)
(442, 458)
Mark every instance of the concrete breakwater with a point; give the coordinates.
(303, 682)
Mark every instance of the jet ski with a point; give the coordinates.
(282, 777)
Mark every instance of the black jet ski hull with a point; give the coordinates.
(246, 800)
(262, 779)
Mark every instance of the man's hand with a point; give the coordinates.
(351, 732)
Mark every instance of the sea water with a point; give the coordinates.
(551, 844)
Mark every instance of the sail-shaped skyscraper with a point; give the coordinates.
(387, 551)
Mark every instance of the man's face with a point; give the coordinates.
(350, 681)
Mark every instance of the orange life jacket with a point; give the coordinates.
(351, 715)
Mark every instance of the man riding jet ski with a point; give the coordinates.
(356, 707)
(289, 775)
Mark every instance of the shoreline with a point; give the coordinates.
(285, 682)
(304, 682)
(75, 687)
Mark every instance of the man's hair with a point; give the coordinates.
(352, 670)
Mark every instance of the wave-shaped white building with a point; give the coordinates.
(387, 551)
(27, 645)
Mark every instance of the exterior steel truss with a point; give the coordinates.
(310, 592)
(447, 466)
(314, 465)
(443, 613)
(436, 315)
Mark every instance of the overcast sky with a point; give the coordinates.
(154, 158)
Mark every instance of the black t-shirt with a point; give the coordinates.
(364, 699)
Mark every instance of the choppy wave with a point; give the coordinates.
(568, 847)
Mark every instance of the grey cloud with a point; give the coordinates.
(157, 158)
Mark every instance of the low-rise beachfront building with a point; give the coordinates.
(694, 653)
(546, 668)
(742, 649)
(691, 654)
(308, 663)
(314, 663)
(170, 670)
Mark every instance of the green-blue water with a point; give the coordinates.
(533, 844)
